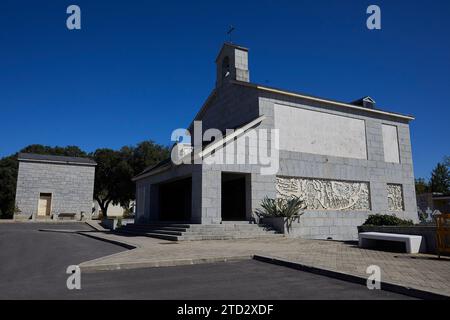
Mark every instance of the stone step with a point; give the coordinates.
(230, 231)
(255, 231)
(227, 237)
(179, 231)
(224, 227)
(143, 227)
(194, 226)
(188, 234)
(244, 222)
(167, 232)
(152, 235)
(160, 224)
(192, 232)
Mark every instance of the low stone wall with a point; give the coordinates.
(322, 225)
(427, 232)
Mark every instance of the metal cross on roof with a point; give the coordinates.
(229, 32)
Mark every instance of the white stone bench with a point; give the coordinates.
(412, 242)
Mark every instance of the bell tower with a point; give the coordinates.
(232, 64)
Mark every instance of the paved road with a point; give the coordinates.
(33, 263)
(234, 280)
(33, 266)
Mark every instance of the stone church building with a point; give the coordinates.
(345, 159)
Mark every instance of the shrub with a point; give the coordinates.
(386, 220)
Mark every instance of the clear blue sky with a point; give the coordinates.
(139, 69)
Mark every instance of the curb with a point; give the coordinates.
(116, 242)
(60, 230)
(161, 263)
(49, 222)
(387, 286)
(86, 233)
(96, 226)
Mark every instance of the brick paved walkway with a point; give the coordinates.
(420, 271)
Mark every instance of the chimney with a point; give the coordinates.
(366, 102)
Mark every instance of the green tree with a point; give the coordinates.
(69, 151)
(148, 153)
(422, 186)
(115, 170)
(440, 179)
(113, 176)
(8, 179)
(447, 161)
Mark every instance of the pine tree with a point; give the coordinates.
(422, 186)
(440, 179)
(447, 161)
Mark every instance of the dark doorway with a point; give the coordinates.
(233, 197)
(175, 199)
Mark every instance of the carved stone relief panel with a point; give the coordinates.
(322, 194)
(395, 197)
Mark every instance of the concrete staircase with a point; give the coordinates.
(186, 231)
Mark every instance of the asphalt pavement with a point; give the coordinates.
(33, 266)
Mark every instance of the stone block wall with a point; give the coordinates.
(342, 225)
(231, 106)
(71, 187)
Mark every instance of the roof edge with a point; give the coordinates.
(152, 172)
(28, 157)
(323, 100)
(205, 150)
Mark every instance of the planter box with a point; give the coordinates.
(280, 224)
(428, 234)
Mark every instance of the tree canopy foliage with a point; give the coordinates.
(8, 177)
(440, 179)
(422, 186)
(447, 161)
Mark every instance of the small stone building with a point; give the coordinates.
(52, 187)
(345, 159)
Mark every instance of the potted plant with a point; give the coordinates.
(281, 212)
